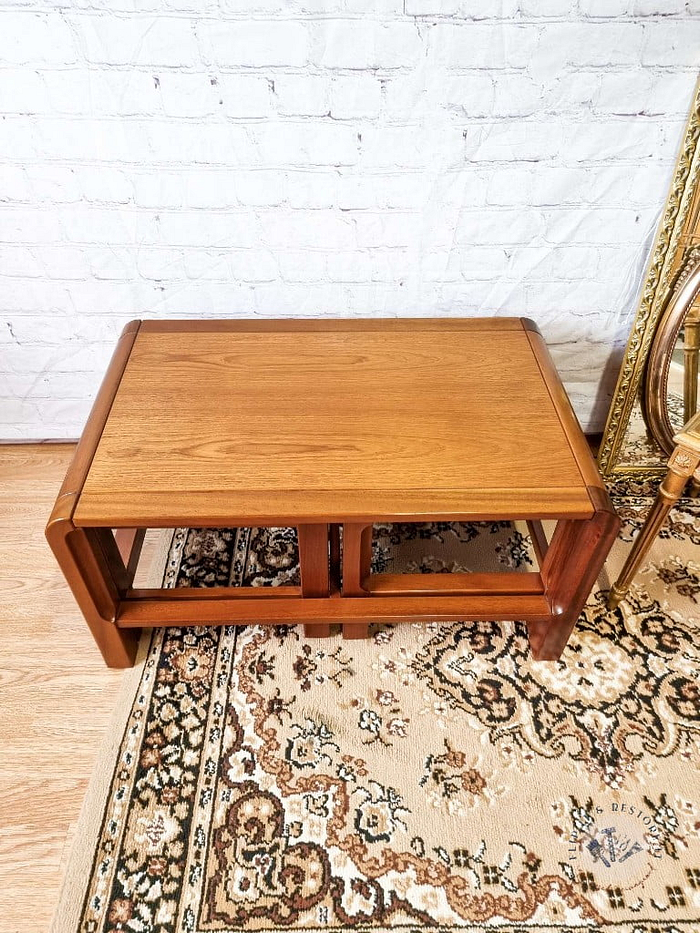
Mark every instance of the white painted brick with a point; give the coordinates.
(614, 139)
(516, 95)
(446, 265)
(188, 95)
(35, 37)
(667, 43)
(113, 263)
(64, 262)
(87, 224)
(209, 264)
(106, 298)
(207, 228)
(472, 95)
(102, 92)
(211, 190)
(278, 144)
(660, 7)
(389, 229)
(26, 225)
(670, 94)
(52, 183)
(533, 9)
(160, 265)
(253, 265)
(312, 189)
(410, 147)
(19, 139)
(571, 91)
(40, 296)
(14, 184)
(358, 44)
(393, 8)
(624, 92)
(355, 96)
(63, 138)
(104, 183)
(458, 45)
(514, 142)
(260, 188)
(575, 262)
(586, 44)
(307, 229)
(253, 7)
(593, 225)
(157, 42)
(244, 95)
(606, 8)
(50, 385)
(239, 43)
(302, 95)
(350, 266)
(159, 189)
(302, 265)
(18, 261)
(554, 186)
(356, 192)
(317, 157)
(206, 143)
(500, 227)
(405, 190)
(468, 9)
(22, 91)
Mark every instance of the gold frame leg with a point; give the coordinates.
(682, 465)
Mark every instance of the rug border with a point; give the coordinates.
(76, 875)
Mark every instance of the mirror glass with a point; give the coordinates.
(682, 394)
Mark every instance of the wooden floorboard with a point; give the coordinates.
(56, 695)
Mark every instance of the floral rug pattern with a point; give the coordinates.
(430, 777)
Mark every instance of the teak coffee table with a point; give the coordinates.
(318, 424)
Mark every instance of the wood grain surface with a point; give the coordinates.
(250, 422)
(56, 695)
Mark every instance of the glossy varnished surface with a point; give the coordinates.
(327, 421)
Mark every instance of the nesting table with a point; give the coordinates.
(321, 425)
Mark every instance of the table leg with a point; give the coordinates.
(570, 568)
(82, 558)
(357, 560)
(682, 465)
(315, 577)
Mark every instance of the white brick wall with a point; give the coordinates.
(327, 157)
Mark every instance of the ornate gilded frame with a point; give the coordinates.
(655, 388)
(667, 256)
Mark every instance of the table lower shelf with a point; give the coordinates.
(337, 586)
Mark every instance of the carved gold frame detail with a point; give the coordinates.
(670, 253)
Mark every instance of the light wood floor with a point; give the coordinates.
(56, 695)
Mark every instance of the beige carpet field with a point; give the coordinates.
(431, 777)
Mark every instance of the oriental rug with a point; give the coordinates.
(432, 777)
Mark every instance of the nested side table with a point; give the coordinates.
(318, 424)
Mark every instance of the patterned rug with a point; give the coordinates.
(431, 777)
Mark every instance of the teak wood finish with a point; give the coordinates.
(323, 424)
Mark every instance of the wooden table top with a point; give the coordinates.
(240, 422)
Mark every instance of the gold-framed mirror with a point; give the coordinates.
(670, 387)
(653, 392)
